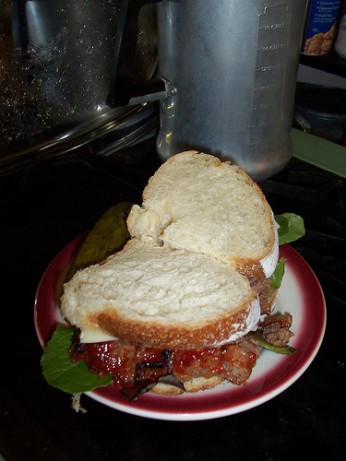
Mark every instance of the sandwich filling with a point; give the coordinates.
(136, 369)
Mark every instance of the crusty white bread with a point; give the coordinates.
(159, 297)
(198, 203)
(194, 385)
(204, 230)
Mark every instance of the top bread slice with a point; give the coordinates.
(198, 203)
(159, 297)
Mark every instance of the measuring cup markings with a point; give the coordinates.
(273, 37)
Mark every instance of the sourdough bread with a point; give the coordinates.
(160, 297)
(194, 385)
(196, 202)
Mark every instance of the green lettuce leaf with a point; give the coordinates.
(60, 372)
(277, 276)
(291, 227)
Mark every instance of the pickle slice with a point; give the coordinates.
(108, 235)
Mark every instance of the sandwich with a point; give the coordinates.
(189, 301)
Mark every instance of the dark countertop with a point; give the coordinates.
(50, 204)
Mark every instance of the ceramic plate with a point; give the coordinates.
(300, 294)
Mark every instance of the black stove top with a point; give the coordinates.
(46, 206)
(320, 197)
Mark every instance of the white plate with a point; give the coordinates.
(300, 294)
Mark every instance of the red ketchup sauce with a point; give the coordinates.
(130, 365)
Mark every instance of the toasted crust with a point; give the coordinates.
(194, 385)
(164, 336)
(248, 267)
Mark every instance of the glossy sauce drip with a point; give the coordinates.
(130, 365)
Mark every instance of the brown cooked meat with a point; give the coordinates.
(276, 329)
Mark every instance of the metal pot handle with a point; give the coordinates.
(122, 90)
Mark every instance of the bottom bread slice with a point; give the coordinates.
(193, 385)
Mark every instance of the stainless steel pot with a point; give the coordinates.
(55, 63)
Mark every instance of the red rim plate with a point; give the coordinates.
(300, 294)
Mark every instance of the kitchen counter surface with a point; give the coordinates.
(45, 207)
